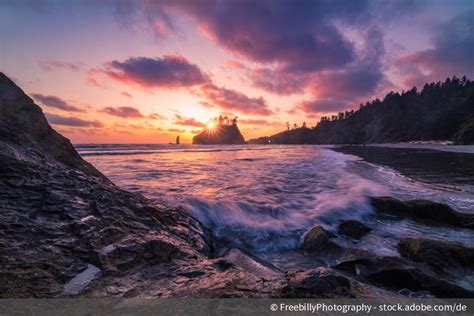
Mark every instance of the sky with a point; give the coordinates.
(122, 71)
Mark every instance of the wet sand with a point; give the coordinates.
(426, 165)
(431, 146)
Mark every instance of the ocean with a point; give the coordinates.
(262, 199)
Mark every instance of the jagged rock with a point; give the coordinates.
(22, 122)
(416, 280)
(320, 282)
(130, 252)
(439, 254)
(59, 215)
(354, 229)
(220, 135)
(318, 239)
(423, 210)
(396, 273)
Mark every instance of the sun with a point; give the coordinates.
(211, 125)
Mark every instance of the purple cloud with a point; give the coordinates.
(452, 53)
(322, 106)
(277, 81)
(123, 112)
(293, 42)
(234, 100)
(170, 71)
(71, 121)
(49, 65)
(359, 79)
(260, 30)
(337, 90)
(55, 102)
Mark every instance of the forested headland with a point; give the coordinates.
(440, 111)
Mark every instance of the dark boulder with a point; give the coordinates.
(414, 279)
(354, 229)
(397, 273)
(320, 282)
(423, 210)
(318, 239)
(437, 253)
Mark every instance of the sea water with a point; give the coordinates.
(263, 199)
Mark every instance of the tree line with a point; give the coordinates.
(440, 111)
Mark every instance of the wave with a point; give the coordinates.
(275, 228)
(117, 153)
(132, 149)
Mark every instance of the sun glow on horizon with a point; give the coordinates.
(211, 125)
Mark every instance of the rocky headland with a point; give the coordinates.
(66, 230)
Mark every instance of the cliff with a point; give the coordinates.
(220, 135)
(441, 111)
(22, 122)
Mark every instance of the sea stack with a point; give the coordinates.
(220, 131)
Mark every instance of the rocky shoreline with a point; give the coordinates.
(67, 231)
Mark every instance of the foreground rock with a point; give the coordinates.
(354, 229)
(439, 254)
(65, 229)
(318, 239)
(398, 274)
(423, 210)
(320, 282)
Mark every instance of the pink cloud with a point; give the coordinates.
(259, 122)
(229, 99)
(176, 130)
(187, 121)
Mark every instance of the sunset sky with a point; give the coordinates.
(147, 71)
